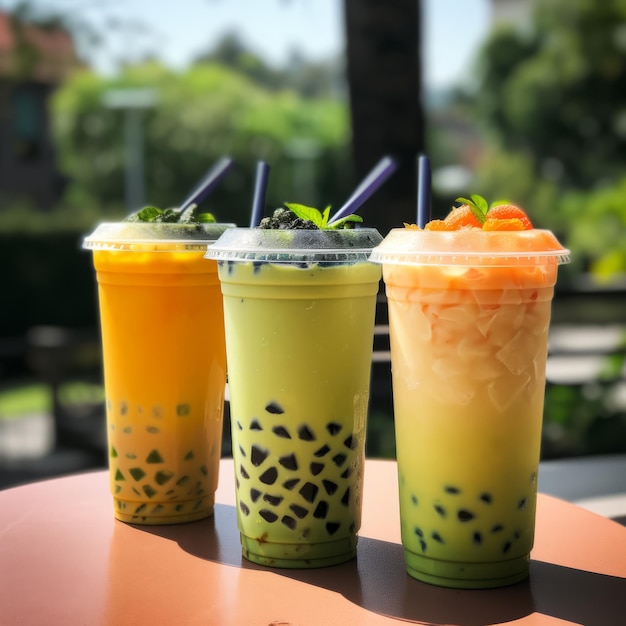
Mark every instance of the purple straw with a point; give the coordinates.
(260, 186)
(208, 183)
(423, 190)
(385, 168)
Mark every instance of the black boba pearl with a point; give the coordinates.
(345, 500)
(440, 510)
(274, 408)
(269, 476)
(486, 498)
(268, 516)
(256, 266)
(291, 483)
(423, 545)
(243, 452)
(330, 486)
(298, 510)
(273, 500)
(477, 538)
(239, 426)
(464, 515)
(333, 428)
(255, 425)
(506, 547)
(258, 455)
(437, 537)
(288, 521)
(339, 459)
(305, 433)
(332, 527)
(254, 494)
(351, 443)
(521, 505)
(244, 508)
(418, 531)
(316, 468)
(497, 528)
(309, 491)
(243, 472)
(451, 489)
(347, 472)
(321, 510)
(322, 451)
(281, 431)
(414, 499)
(289, 461)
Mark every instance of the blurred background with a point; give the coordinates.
(106, 106)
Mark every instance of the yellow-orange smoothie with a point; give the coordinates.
(165, 374)
(468, 348)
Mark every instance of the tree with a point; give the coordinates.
(384, 78)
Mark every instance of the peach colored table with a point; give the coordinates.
(65, 560)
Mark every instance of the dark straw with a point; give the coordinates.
(423, 190)
(208, 183)
(260, 187)
(379, 174)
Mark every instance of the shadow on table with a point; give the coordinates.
(377, 581)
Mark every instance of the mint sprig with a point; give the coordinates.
(171, 216)
(319, 218)
(478, 206)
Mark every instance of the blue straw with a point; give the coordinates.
(208, 183)
(260, 187)
(383, 170)
(423, 190)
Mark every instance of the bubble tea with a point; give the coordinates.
(299, 315)
(469, 311)
(164, 367)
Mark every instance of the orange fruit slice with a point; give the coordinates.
(461, 217)
(508, 212)
(513, 223)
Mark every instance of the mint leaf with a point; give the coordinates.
(478, 206)
(341, 223)
(306, 213)
(325, 216)
(147, 214)
(498, 203)
(206, 218)
(480, 203)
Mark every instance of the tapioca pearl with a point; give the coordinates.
(506, 547)
(345, 500)
(305, 433)
(141, 508)
(245, 509)
(136, 492)
(113, 452)
(423, 545)
(204, 471)
(183, 480)
(486, 497)
(289, 461)
(333, 428)
(332, 527)
(256, 266)
(351, 442)
(414, 500)
(149, 490)
(162, 477)
(268, 516)
(242, 451)
(157, 411)
(243, 472)
(309, 492)
(464, 515)
(437, 537)
(273, 500)
(329, 486)
(137, 473)
(321, 510)
(123, 408)
(316, 468)
(255, 424)
(477, 538)
(157, 509)
(281, 431)
(274, 408)
(189, 456)
(289, 522)
(452, 490)
(153, 430)
(238, 424)
(498, 528)
(440, 510)
(323, 451)
(347, 472)
(291, 483)
(131, 455)
(299, 511)
(517, 534)
(127, 430)
(118, 488)
(521, 505)
(418, 531)
(236, 482)
(254, 494)
(339, 459)
(258, 455)
(183, 409)
(269, 476)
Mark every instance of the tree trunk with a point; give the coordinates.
(384, 79)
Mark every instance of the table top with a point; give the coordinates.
(65, 560)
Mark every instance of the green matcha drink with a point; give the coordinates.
(299, 314)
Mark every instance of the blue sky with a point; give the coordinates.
(180, 29)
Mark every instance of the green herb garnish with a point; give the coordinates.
(478, 206)
(171, 216)
(320, 219)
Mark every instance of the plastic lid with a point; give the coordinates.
(295, 246)
(470, 247)
(150, 236)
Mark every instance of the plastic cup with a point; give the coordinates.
(164, 367)
(299, 311)
(469, 313)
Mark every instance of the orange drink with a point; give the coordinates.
(164, 367)
(469, 312)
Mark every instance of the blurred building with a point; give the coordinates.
(34, 60)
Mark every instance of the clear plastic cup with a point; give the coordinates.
(299, 311)
(164, 367)
(469, 313)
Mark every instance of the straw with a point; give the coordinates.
(208, 183)
(423, 190)
(260, 186)
(385, 168)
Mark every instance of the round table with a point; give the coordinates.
(65, 560)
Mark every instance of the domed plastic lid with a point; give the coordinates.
(295, 246)
(470, 246)
(150, 236)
